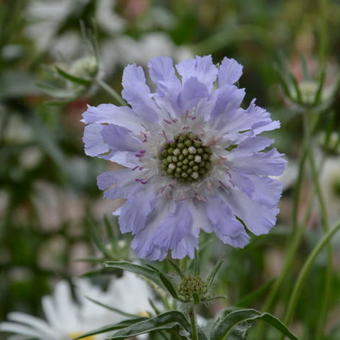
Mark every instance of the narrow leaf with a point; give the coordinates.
(163, 321)
(72, 78)
(144, 271)
(212, 275)
(111, 327)
(113, 309)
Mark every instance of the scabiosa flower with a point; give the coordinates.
(192, 154)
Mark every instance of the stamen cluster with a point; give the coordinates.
(185, 159)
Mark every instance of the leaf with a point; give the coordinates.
(145, 271)
(113, 309)
(72, 78)
(166, 282)
(253, 296)
(224, 324)
(137, 326)
(111, 327)
(212, 275)
(163, 321)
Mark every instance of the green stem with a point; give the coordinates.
(328, 273)
(110, 91)
(192, 314)
(296, 236)
(305, 270)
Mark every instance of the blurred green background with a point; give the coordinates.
(48, 186)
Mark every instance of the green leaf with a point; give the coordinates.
(113, 309)
(112, 327)
(133, 327)
(166, 282)
(144, 271)
(224, 324)
(212, 275)
(163, 321)
(253, 296)
(72, 78)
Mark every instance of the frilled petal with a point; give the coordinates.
(229, 72)
(120, 139)
(162, 73)
(258, 218)
(224, 223)
(264, 190)
(260, 119)
(269, 163)
(112, 114)
(172, 232)
(135, 212)
(251, 145)
(228, 100)
(137, 93)
(100, 143)
(119, 183)
(201, 68)
(93, 140)
(192, 93)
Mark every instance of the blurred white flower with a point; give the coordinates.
(289, 176)
(107, 19)
(56, 206)
(66, 319)
(125, 50)
(44, 18)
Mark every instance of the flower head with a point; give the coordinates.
(66, 319)
(192, 154)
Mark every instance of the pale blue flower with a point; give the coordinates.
(192, 154)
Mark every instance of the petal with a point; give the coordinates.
(201, 68)
(260, 119)
(192, 93)
(252, 145)
(260, 163)
(170, 230)
(119, 183)
(229, 72)
(96, 146)
(258, 218)
(112, 114)
(137, 93)
(120, 139)
(162, 73)
(32, 322)
(224, 224)
(264, 190)
(228, 100)
(13, 327)
(93, 140)
(135, 212)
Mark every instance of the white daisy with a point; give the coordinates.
(66, 319)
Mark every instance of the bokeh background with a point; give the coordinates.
(48, 190)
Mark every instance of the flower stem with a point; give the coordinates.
(297, 230)
(110, 91)
(193, 321)
(328, 273)
(305, 270)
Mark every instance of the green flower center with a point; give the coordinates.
(185, 159)
(192, 287)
